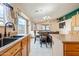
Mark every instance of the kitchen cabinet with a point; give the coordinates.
(13, 50)
(71, 48)
(25, 47)
(29, 44)
(77, 20)
(73, 23)
(18, 53)
(21, 48)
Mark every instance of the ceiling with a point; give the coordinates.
(38, 11)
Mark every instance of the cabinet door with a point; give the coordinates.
(13, 50)
(24, 47)
(28, 44)
(71, 54)
(77, 20)
(18, 53)
(73, 21)
(71, 48)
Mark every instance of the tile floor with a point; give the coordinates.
(36, 50)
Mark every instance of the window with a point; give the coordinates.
(1, 11)
(45, 27)
(21, 25)
(5, 14)
(1, 15)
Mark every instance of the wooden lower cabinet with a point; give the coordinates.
(13, 50)
(71, 53)
(29, 44)
(21, 48)
(71, 48)
(18, 53)
(24, 47)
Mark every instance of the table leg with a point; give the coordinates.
(34, 40)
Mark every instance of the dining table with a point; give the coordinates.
(45, 32)
(48, 32)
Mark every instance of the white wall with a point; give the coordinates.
(54, 25)
(67, 27)
(57, 47)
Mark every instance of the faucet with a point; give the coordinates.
(10, 25)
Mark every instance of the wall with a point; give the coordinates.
(67, 27)
(8, 18)
(57, 47)
(54, 25)
(8, 30)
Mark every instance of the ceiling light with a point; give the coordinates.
(44, 9)
(46, 17)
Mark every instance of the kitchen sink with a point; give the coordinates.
(17, 37)
(9, 40)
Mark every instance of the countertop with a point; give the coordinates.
(69, 38)
(6, 47)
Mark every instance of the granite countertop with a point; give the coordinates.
(69, 38)
(6, 47)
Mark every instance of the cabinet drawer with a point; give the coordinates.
(71, 47)
(13, 50)
(71, 53)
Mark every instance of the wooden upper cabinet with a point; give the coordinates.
(73, 23)
(77, 20)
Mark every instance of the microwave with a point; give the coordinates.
(61, 25)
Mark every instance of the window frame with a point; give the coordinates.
(3, 21)
(5, 10)
(26, 26)
(44, 27)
